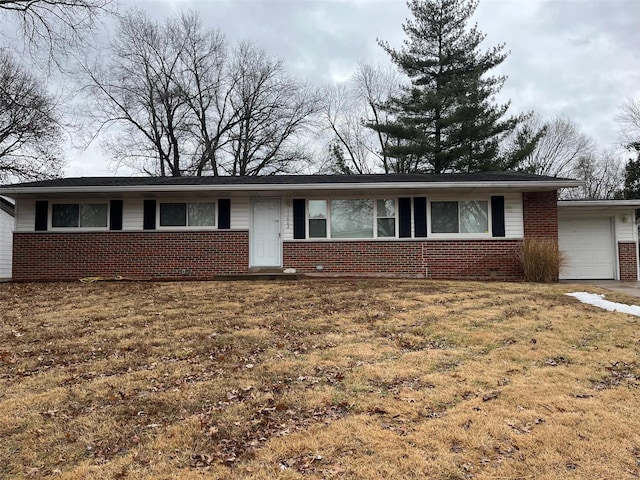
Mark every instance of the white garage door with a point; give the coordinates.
(588, 245)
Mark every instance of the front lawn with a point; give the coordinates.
(316, 379)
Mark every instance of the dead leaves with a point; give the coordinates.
(619, 373)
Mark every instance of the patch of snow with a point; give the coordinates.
(599, 301)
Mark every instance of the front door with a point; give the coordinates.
(265, 233)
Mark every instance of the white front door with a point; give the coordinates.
(265, 233)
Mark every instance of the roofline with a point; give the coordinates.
(529, 184)
(599, 203)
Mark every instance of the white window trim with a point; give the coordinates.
(181, 228)
(459, 235)
(375, 219)
(51, 228)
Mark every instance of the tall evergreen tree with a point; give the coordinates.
(446, 119)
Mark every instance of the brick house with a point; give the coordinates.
(465, 226)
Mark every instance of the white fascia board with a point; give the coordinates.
(598, 203)
(513, 185)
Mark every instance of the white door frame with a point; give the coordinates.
(252, 231)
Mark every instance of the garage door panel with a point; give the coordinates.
(588, 247)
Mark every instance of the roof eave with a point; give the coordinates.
(599, 203)
(522, 185)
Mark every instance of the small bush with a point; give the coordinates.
(541, 259)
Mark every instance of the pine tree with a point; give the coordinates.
(631, 188)
(445, 120)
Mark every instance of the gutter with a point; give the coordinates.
(528, 185)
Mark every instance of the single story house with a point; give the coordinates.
(466, 226)
(6, 237)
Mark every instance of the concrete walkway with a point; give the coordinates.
(628, 288)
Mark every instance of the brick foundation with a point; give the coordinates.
(156, 255)
(628, 261)
(463, 259)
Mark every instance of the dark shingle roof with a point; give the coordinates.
(287, 180)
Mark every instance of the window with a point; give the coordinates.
(317, 219)
(83, 215)
(351, 219)
(386, 215)
(460, 217)
(348, 218)
(197, 214)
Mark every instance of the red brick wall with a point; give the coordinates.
(356, 257)
(540, 213)
(472, 259)
(628, 261)
(157, 255)
(469, 259)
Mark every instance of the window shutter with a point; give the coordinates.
(299, 227)
(224, 213)
(404, 211)
(115, 215)
(149, 221)
(497, 216)
(420, 216)
(42, 213)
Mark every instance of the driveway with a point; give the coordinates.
(628, 288)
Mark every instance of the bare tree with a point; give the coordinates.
(350, 109)
(29, 126)
(53, 26)
(602, 173)
(273, 109)
(561, 145)
(629, 121)
(182, 103)
(136, 92)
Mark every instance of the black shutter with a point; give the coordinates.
(404, 210)
(420, 216)
(497, 216)
(115, 215)
(299, 227)
(149, 221)
(42, 213)
(224, 213)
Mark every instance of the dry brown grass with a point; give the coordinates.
(315, 379)
(541, 259)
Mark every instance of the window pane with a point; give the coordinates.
(93, 215)
(173, 214)
(444, 217)
(474, 217)
(317, 209)
(386, 227)
(65, 215)
(317, 228)
(351, 218)
(202, 214)
(386, 208)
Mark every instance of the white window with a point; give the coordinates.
(386, 215)
(196, 214)
(460, 217)
(352, 218)
(317, 219)
(82, 215)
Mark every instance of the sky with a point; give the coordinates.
(575, 58)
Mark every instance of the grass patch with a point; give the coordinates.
(332, 379)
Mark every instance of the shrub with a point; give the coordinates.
(541, 259)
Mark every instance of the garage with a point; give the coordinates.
(589, 247)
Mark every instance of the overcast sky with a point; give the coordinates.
(578, 58)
